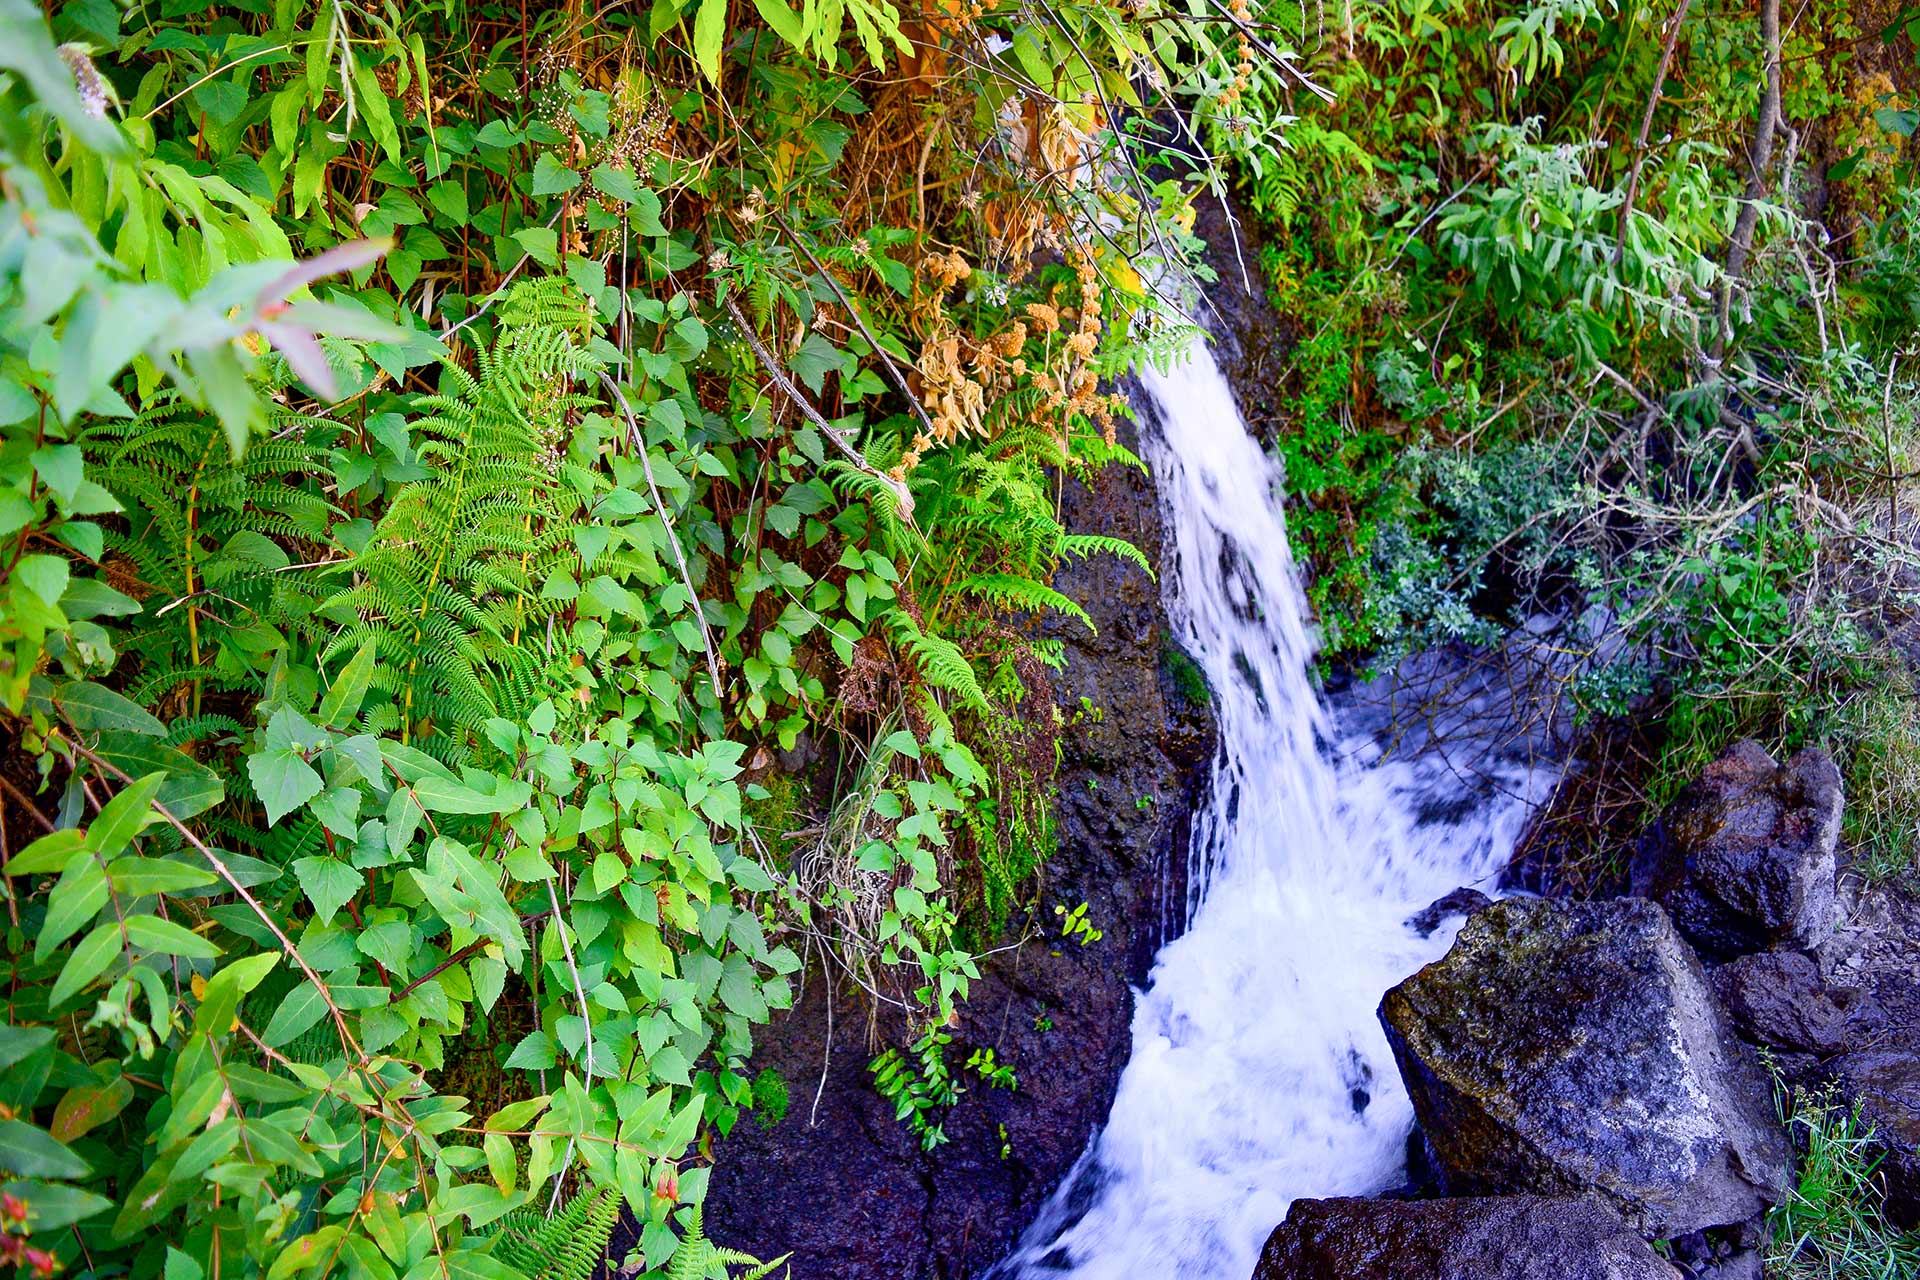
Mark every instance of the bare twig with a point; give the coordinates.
(813, 415)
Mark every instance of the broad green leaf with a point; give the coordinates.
(349, 688)
(329, 884)
(87, 1107)
(122, 817)
(304, 1006)
(550, 177)
(75, 900)
(709, 35)
(17, 1042)
(283, 780)
(224, 991)
(49, 853)
(534, 1053)
(92, 706)
(95, 952)
(168, 938)
(308, 1252)
(53, 1205)
(139, 877)
(29, 1152)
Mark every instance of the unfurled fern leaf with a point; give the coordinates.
(698, 1258)
(450, 589)
(1087, 544)
(1011, 591)
(896, 536)
(940, 662)
(209, 543)
(567, 1246)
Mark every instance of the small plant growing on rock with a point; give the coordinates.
(992, 1070)
(920, 1086)
(1074, 924)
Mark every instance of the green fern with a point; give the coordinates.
(210, 543)
(894, 535)
(1088, 544)
(449, 589)
(939, 661)
(1010, 591)
(570, 1245)
(698, 1258)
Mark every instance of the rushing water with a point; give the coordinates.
(1259, 1072)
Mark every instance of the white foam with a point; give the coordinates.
(1259, 1072)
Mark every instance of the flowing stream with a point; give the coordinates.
(1259, 1072)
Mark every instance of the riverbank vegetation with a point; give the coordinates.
(527, 529)
(1611, 308)
(524, 528)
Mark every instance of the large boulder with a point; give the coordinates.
(1568, 1048)
(1885, 1086)
(1743, 859)
(1500, 1238)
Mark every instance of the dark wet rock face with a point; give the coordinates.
(841, 1183)
(1743, 859)
(1461, 902)
(1503, 1238)
(1568, 1048)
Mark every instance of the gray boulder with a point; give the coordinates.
(1779, 999)
(1885, 1085)
(1501, 1238)
(1743, 859)
(1573, 1048)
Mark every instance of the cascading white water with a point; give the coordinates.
(1259, 1072)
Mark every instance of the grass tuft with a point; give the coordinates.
(1830, 1226)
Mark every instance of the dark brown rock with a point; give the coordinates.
(1573, 1048)
(1500, 1238)
(1743, 859)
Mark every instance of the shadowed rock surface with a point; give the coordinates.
(842, 1184)
(1743, 859)
(1461, 902)
(1779, 999)
(1500, 1238)
(1564, 1048)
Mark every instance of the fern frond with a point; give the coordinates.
(698, 1258)
(1087, 544)
(568, 1246)
(1011, 591)
(939, 661)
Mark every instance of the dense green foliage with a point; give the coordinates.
(456, 460)
(1614, 308)
(448, 457)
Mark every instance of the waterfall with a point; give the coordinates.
(1259, 1072)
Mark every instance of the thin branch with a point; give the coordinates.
(1646, 127)
(813, 415)
(679, 555)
